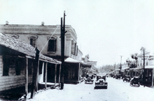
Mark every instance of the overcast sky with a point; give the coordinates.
(106, 29)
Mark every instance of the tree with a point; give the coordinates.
(128, 62)
(135, 56)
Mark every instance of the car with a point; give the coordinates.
(135, 81)
(89, 80)
(101, 77)
(117, 76)
(126, 78)
(100, 84)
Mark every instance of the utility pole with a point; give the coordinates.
(62, 50)
(121, 63)
(143, 49)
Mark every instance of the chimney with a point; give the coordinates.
(7, 22)
(42, 23)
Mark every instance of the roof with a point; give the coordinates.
(34, 29)
(27, 49)
(149, 67)
(71, 60)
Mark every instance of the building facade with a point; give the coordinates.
(46, 38)
(17, 65)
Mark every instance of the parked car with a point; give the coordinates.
(100, 84)
(135, 81)
(101, 77)
(117, 76)
(89, 80)
(126, 78)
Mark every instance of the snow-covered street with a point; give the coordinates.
(117, 91)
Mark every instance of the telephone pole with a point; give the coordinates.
(62, 50)
(143, 49)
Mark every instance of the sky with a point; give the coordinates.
(106, 29)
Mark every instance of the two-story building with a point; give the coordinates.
(47, 39)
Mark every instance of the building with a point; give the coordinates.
(46, 38)
(17, 63)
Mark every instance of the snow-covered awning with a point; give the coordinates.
(71, 60)
(150, 67)
(24, 48)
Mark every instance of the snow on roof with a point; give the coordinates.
(33, 29)
(72, 60)
(149, 66)
(22, 47)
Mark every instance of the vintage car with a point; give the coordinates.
(101, 77)
(89, 80)
(126, 78)
(100, 84)
(135, 81)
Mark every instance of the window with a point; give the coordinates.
(11, 66)
(15, 36)
(32, 42)
(5, 66)
(52, 45)
(72, 47)
(75, 48)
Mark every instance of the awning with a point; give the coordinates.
(85, 65)
(150, 67)
(70, 60)
(24, 48)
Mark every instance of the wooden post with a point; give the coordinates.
(55, 73)
(46, 75)
(35, 81)
(59, 73)
(26, 78)
(37, 74)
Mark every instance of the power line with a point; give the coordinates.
(49, 39)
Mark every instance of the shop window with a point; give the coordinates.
(52, 45)
(5, 66)
(11, 66)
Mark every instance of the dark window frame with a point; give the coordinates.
(33, 42)
(52, 45)
(11, 62)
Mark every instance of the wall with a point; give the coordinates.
(12, 81)
(23, 32)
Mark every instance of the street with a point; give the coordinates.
(117, 91)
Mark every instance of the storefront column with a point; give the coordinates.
(55, 73)
(26, 77)
(46, 75)
(59, 73)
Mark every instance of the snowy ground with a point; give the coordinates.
(117, 91)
